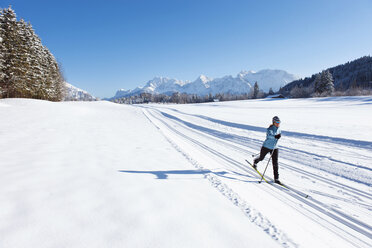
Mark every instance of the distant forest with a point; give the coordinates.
(27, 68)
(351, 78)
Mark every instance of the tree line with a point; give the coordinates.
(350, 79)
(182, 98)
(27, 68)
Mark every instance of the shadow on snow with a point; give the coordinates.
(166, 173)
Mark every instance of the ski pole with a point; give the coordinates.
(266, 166)
(268, 161)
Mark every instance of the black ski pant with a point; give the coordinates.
(275, 155)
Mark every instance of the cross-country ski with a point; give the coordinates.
(275, 182)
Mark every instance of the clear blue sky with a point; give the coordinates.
(107, 45)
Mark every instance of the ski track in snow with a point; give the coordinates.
(344, 171)
(341, 141)
(289, 154)
(247, 141)
(341, 223)
(244, 141)
(254, 215)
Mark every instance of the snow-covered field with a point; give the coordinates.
(98, 174)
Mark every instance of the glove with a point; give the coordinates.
(278, 136)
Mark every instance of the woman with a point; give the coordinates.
(273, 134)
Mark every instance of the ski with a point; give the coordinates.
(293, 190)
(257, 171)
(279, 184)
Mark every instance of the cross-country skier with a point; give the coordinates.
(273, 134)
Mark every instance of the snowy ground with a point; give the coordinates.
(98, 174)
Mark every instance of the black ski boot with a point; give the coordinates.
(254, 166)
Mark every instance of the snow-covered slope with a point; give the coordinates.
(75, 94)
(99, 174)
(203, 85)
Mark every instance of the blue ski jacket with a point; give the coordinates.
(270, 142)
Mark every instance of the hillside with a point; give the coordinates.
(99, 174)
(357, 73)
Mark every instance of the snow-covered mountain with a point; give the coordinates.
(267, 79)
(159, 85)
(203, 85)
(75, 94)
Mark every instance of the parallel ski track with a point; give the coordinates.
(246, 141)
(254, 216)
(314, 204)
(239, 126)
(301, 172)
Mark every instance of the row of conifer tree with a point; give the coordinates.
(27, 68)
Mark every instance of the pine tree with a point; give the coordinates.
(327, 80)
(271, 92)
(35, 74)
(22, 84)
(2, 63)
(52, 85)
(8, 49)
(256, 90)
(354, 84)
(27, 68)
(324, 84)
(317, 84)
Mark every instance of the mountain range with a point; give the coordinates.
(204, 85)
(73, 93)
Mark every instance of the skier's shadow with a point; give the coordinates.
(165, 174)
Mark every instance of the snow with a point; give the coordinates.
(268, 78)
(203, 85)
(99, 174)
(75, 94)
